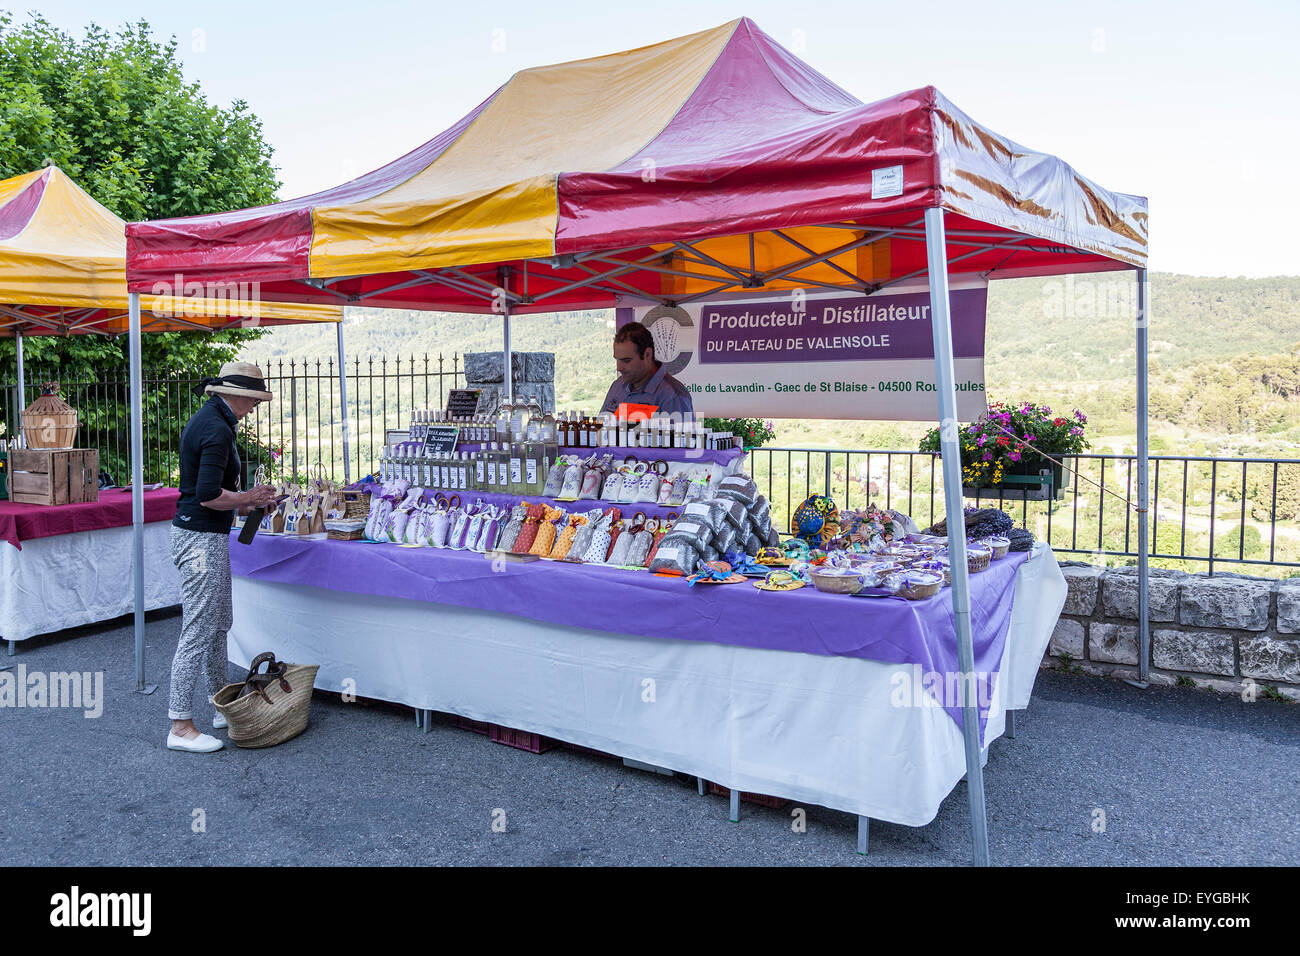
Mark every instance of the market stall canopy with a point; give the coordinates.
(63, 272)
(713, 162)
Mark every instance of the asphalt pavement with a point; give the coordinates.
(1100, 773)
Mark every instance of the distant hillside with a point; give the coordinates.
(1065, 339)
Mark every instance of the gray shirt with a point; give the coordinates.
(662, 390)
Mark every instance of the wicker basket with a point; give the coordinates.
(276, 706)
(919, 591)
(49, 422)
(836, 583)
(345, 529)
(356, 504)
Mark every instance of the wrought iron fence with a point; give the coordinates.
(1204, 512)
(301, 426)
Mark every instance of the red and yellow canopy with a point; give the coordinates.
(63, 271)
(671, 170)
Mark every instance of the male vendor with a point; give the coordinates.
(642, 380)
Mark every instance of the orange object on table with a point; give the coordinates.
(634, 412)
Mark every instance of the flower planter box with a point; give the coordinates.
(1037, 481)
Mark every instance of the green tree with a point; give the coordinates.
(114, 112)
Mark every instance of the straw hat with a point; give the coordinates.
(238, 380)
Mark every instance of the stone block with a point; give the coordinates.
(1229, 601)
(489, 397)
(1205, 652)
(543, 392)
(541, 367)
(1288, 606)
(1266, 658)
(1083, 582)
(518, 368)
(484, 367)
(1119, 594)
(1067, 638)
(1113, 643)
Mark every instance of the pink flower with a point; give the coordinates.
(988, 456)
(981, 440)
(1029, 437)
(1076, 430)
(1080, 416)
(1014, 456)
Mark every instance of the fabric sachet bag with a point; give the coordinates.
(555, 478)
(438, 525)
(706, 513)
(732, 510)
(528, 531)
(592, 484)
(564, 540)
(638, 552)
(675, 555)
(601, 538)
(666, 485)
(740, 487)
(517, 515)
(546, 532)
(573, 478)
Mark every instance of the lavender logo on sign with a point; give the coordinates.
(663, 321)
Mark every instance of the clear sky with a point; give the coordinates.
(1192, 104)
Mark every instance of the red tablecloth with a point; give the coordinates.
(20, 523)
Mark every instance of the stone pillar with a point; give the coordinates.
(533, 373)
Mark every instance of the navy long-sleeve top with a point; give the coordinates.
(209, 463)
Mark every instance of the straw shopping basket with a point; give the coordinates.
(268, 708)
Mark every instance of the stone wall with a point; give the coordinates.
(1217, 631)
(533, 374)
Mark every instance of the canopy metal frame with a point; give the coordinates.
(605, 269)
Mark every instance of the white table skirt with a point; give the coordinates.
(816, 729)
(68, 580)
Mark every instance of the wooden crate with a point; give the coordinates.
(43, 477)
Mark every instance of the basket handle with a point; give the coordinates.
(274, 671)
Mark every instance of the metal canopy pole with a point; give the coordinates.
(508, 360)
(343, 400)
(940, 317)
(22, 384)
(137, 489)
(1143, 451)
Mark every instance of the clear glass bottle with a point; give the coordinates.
(480, 472)
(515, 479)
(533, 479)
(490, 468)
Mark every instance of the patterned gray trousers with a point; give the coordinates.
(203, 559)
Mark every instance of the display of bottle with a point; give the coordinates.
(550, 442)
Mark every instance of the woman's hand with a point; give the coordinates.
(260, 496)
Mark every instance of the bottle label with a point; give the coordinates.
(516, 471)
(492, 474)
(532, 471)
(478, 471)
(444, 477)
(460, 479)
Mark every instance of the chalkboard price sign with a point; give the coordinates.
(462, 402)
(441, 438)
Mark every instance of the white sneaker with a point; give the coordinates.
(202, 744)
(219, 721)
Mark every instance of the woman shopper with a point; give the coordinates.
(200, 543)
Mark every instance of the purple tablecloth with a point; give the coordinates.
(891, 630)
